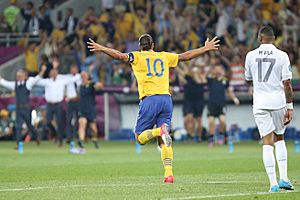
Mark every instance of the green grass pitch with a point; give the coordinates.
(115, 171)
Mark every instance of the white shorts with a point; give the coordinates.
(268, 121)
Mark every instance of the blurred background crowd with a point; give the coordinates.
(175, 25)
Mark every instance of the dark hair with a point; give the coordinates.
(30, 4)
(266, 31)
(145, 42)
(70, 10)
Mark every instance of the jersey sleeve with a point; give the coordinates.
(133, 57)
(286, 69)
(248, 75)
(172, 59)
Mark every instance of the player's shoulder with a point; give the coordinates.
(250, 53)
(283, 53)
(133, 55)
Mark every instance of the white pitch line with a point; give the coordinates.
(112, 185)
(224, 195)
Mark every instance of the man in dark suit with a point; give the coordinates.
(70, 25)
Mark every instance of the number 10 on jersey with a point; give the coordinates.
(154, 67)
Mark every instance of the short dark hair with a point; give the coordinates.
(266, 31)
(30, 4)
(70, 10)
(145, 42)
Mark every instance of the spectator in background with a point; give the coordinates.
(237, 71)
(40, 124)
(222, 23)
(45, 22)
(22, 87)
(11, 14)
(26, 13)
(32, 54)
(107, 4)
(54, 95)
(72, 98)
(87, 109)
(70, 24)
(132, 43)
(194, 79)
(6, 124)
(34, 24)
(174, 25)
(4, 27)
(294, 67)
(218, 86)
(45, 62)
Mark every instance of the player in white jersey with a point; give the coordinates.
(268, 68)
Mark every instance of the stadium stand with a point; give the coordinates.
(58, 30)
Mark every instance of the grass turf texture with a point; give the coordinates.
(115, 171)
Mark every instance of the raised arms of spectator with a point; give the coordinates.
(71, 79)
(44, 38)
(7, 84)
(209, 45)
(205, 17)
(33, 80)
(98, 86)
(30, 82)
(95, 47)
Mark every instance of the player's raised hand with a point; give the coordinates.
(288, 116)
(212, 44)
(93, 46)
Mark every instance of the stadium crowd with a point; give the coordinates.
(176, 25)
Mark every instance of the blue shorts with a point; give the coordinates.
(90, 116)
(154, 110)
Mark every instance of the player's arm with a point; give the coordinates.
(115, 54)
(286, 77)
(209, 45)
(231, 94)
(288, 90)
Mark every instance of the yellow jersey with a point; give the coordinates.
(151, 70)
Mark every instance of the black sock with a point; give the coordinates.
(225, 134)
(80, 144)
(210, 138)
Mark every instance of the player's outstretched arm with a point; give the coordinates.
(288, 90)
(209, 45)
(95, 47)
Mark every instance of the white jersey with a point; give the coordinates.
(267, 67)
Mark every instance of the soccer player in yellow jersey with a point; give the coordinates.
(151, 70)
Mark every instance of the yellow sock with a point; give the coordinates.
(167, 157)
(147, 135)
